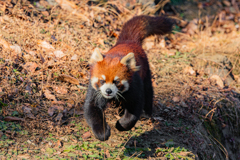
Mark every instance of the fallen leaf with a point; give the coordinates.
(42, 59)
(114, 34)
(16, 48)
(30, 142)
(30, 66)
(183, 104)
(154, 84)
(28, 112)
(12, 119)
(83, 75)
(58, 107)
(54, 108)
(1, 134)
(45, 44)
(4, 43)
(58, 102)
(45, 13)
(69, 105)
(227, 3)
(51, 111)
(189, 70)
(149, 45)
(176, 99)
(59, 144)
(24, 156)
(61, 90)
(191, 28)
(59, 54)
(27, 57)
(217, 80)
(184, 153)
(107, 153)
(3, 6)
(51, 63)
(171, 52)
(74, 57)
(79, 112)
(101, 41)
(32, 53)
(236, 77)
(162, 43)
(200, 96)
(86, 135)
(67, 5)
(67, 78)
(8, 132)
(200, 5)
(48, 95)
(59, 117)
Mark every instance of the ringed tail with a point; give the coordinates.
(140, 27)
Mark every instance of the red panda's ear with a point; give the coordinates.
(96, 56)
(129, 60)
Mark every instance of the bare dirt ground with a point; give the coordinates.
(44, 71)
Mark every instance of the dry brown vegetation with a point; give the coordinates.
(44, 71)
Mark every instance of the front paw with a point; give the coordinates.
(120, 127)
(123, 127)
(101, 133)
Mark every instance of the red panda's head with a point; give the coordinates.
(111, 76)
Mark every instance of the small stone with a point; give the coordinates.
(176, 99)
(166, 110)
(50, 143)
(218, 80)
(183, 104)
(74, 57)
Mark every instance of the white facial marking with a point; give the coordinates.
(104, 77)
(116, 78)
(110, 86)
(126, 85)
(93, 81)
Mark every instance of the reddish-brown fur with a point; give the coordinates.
(122, 50)
(110, 68)
(133, 87)
(130, 40)
(140, 27)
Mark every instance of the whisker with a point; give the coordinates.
(98, 96)
(117, 97)
(95, 93)
(118, 93)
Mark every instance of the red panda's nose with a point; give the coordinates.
(108, 91)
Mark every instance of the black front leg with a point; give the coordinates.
(93, 112)
(127, 121)
(133, 104)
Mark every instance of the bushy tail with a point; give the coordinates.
(140, 27)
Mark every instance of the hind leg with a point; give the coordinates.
(148, 92)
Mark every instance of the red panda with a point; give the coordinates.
(123, 74)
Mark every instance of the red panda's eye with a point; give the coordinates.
(102, 82)
(116, 82)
